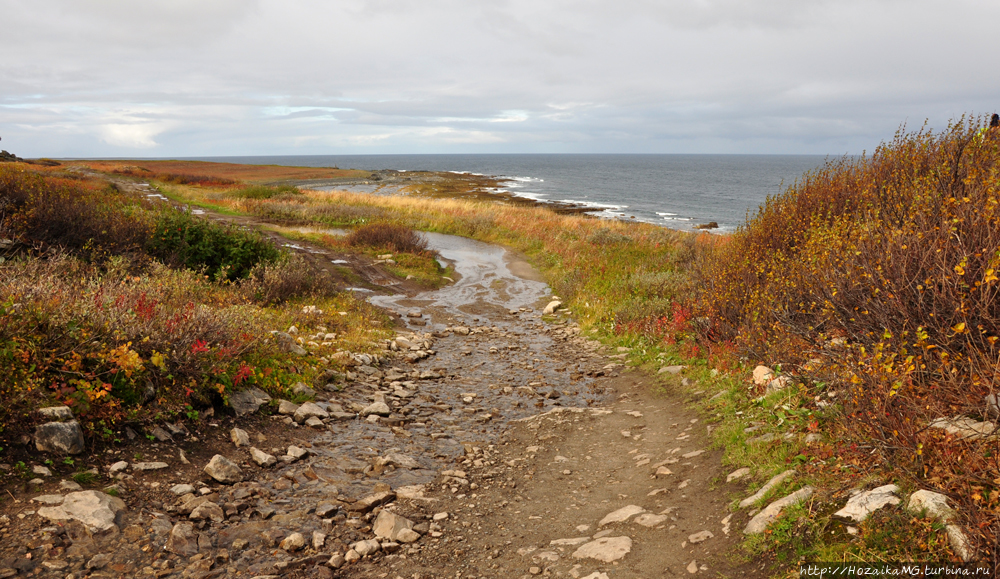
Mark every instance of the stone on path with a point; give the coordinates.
(394, 527)
(223, 470)
(737, 474)
(262, 458)
(296, 452)
(671, 370)
(366, 547)
(552, 307)
(772, 511)
(621, 515)
(864, 503)
(650, 520)
(96, 510)
(207, 510)
(239, 437)
(63, 437)
(309, 410)
(293, 542)
(182, 489)
(183, 540)
(606, 549)
(692, 567)
(700, 537)
(768, 486)
(569, 542)
(371, 501)
(143, 466)
(287, 407)
(376, 408)
(247, 401)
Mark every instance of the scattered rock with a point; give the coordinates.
(287, 407)
(700, 537)
(293, 542)
(365, 548)
(552, 307)
(606, 549)
(935, 505)
(143, 466)
(650, 520)
(377, 408)
(692, 567)
(621, 515)
(96, 510)
(296, 452)
(207, 510)
(183, 540)
(772, 511)
(671, 370)
(309, 410)
(262, 458)
(392, 526)
(223, 470)
(182, 489)
(161, 435)
(371, 501)
(336, 561)
(62, 437)
(302, 389)
(779, 384)
(864, 503)
(239, 437)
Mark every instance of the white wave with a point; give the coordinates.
(594, 204)
(665, 213)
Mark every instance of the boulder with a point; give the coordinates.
(96, 510)
(287, 407)
(864, 503)
(302, 389)
(63, 437)
(965, 428)
(223, 470)
(248, 401)
(621, 515)
(771, 512)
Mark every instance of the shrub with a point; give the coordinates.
(265, 191)
(898, 254)
(182, 239)
(389, 236)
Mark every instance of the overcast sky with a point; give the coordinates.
(156, 78)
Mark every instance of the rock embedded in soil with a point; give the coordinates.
(762, 375)
(61, 437)
(552, 307)
(621, 515)
(183, 540)
(287, 408)
(700, 537)
(737, 474)
(56, 413)
(606, 549)
(864, 503)
(223, 470)
(309, 410)
(768, 486)
(144, 466)
(771, 512)
(389, 526)
(293, 542)
(248, 401)
(935, 505)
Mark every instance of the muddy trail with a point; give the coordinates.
(489, 441)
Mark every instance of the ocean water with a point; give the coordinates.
(675, 191)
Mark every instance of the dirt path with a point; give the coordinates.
(493, 444)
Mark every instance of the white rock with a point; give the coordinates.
(965, 428)
(865, 503)
(391, 526)
(118, 467)
(296, 452)
(376, 408)
(56, 413)
(935, 504)
(309, 410)
(771, 512)
(700, 537)
(319, 540)
(182, 489)
(96, 510)
(262, 458)
(366, 547)
(569, 542)
(293, 542)
(606, 549)
(692, 567)
(621, 515)
(762, 375)
(650, 520)
(737, 474)
(671, 370)
(223, 470)
(552, 307)
(775, 481)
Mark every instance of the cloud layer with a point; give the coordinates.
(243, 77)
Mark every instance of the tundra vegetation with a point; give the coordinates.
(869, 285)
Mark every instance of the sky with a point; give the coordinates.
(186, 78)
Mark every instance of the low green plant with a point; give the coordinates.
(85, 477)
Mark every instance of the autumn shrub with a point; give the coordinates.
(389, 236)
(80, 217)
(285, 279)
(200, 180)
(880, 274)
(220, 250)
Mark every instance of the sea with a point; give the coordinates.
(674, 191)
